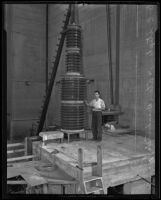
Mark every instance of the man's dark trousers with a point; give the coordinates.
(97, 125)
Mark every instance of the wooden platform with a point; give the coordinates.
(124, 157)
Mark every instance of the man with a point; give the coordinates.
(97, 105)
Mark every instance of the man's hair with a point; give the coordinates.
(96, 91)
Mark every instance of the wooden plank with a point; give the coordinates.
(26, 164)
(81, 177)
(36, 149)
(57, 160)
(20, 158)
(33, 179)
(60, 181)
(99, 161)
(135, 161)
(15, 151)
(67, 167)
(137, 187)
(45, 189)
(80, 164)
(90, 178)
(26, 146)
(125, 174)
(12, 172)
(16, 183)
(94, 189)
(70, 189)
(14, 145)
(132, 170)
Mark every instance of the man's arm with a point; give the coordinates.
(89, 104)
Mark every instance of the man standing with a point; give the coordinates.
(97, 105)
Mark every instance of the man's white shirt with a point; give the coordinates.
(97, 104)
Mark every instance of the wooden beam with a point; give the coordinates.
(16, 183)
(80, 166)
(26, 146)
(36, 151)
(60, 181)
(14, 145)
(80, 163)
(20, 158)
(56, 159)
(99, 160)
(45, 189)
(15, 151)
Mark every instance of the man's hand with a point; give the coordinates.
(86, 102)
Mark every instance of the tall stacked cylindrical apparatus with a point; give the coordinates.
(73, 83)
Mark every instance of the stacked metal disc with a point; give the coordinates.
(73, 88)
(73, 44)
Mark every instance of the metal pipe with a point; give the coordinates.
(74, 13)
(117, 54)
(46, 57)
(109, 51)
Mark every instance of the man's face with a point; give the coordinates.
(97, 95)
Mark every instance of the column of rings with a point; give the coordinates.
(73, 83)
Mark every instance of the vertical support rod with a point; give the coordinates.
(117, 54)
(46, 47)
(99, 160)
(46, 57)
(26, 146)
(109, 51)
(9, 69)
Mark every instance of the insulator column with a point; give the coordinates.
(73, 83)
